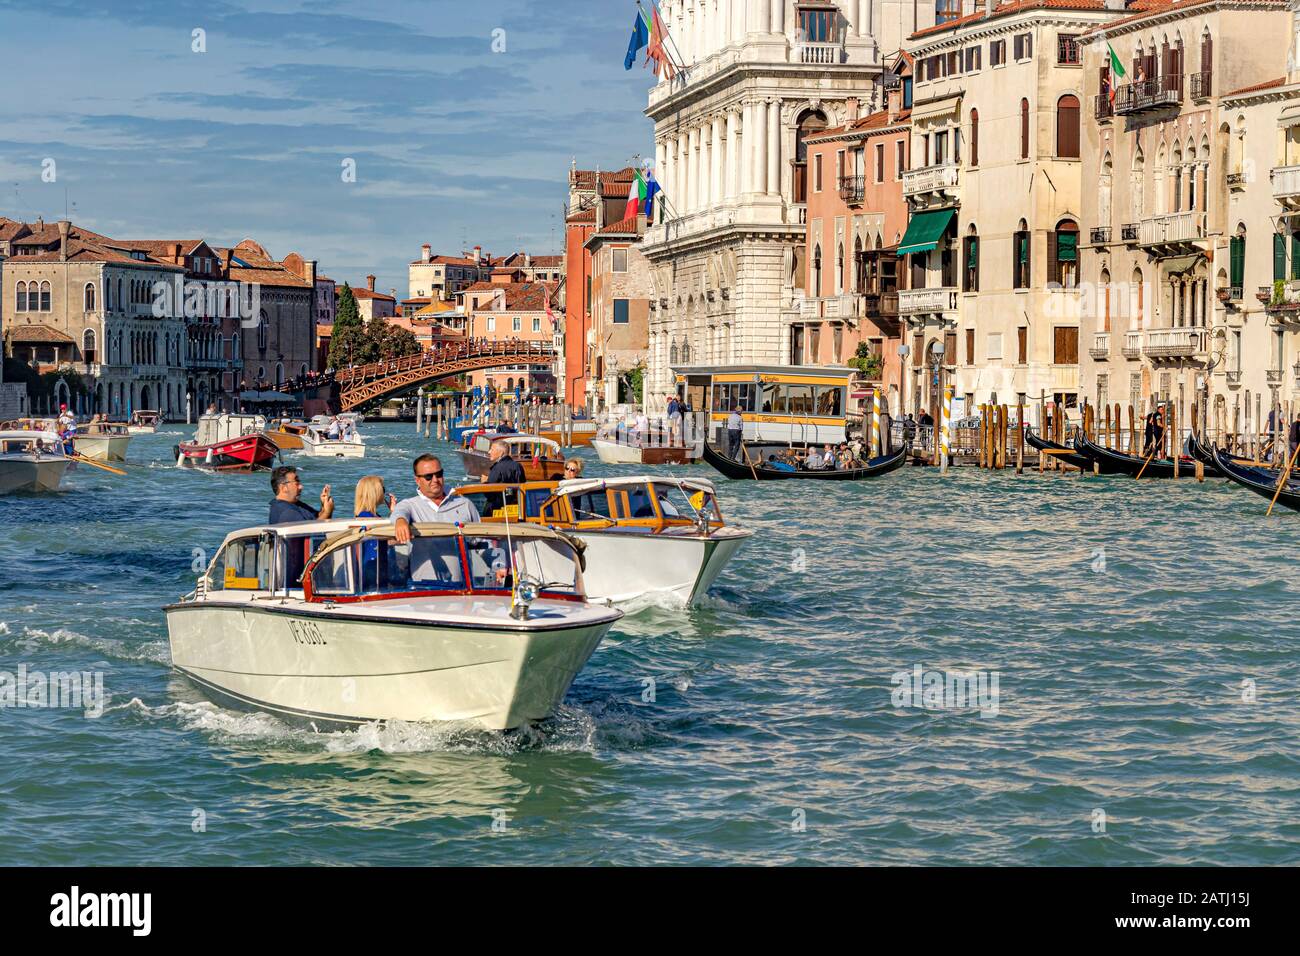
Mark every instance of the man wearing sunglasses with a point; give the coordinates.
(432, 501)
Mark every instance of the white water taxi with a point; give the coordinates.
(335, 624)
(144, 422)
(102, 441)
(643, 534)
(30, 461)
(316, 440)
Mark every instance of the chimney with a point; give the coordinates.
(176, 254)
(370, 283)
(851, 106)
(426, 252)
(1116, 4)
(64, 227)
(528, 260)
(309, 267)
(478, 255)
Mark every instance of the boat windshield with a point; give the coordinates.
(683, 504)
(381, 566)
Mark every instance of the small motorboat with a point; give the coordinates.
(228, 442)
(541, 458)
(287, 434)
(334, 624)
(102, 441)
(346, 443)
(144, 422)
(644, 535)
(755, 465)
(1263, 481)
(31, 461)
(617, 444)
(581, 433)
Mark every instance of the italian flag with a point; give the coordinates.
(1116, 72)
(636, 197)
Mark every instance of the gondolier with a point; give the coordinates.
(735, 431)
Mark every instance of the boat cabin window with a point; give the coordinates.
(633, 502)
(429, 564)
(243, 565)
(830, 401)
(798, 399)
(773, 399)
(548, 563)
(495, 504)
(294, 552)
(794, 399)
(679, 504)
(590, 506)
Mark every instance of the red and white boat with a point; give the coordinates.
(227, 442)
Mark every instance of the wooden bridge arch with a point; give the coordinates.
(362, 384)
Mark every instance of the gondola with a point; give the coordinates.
(1122, 463)
(1262, 481)
(1205, 453)
(1070, 456)
(741, 471)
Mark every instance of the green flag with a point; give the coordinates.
(1116, 71)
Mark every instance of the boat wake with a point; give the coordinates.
(35, 639)
(588, 728)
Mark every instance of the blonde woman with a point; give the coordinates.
(370, 495)
(573, 468)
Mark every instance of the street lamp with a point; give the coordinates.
(904, 350)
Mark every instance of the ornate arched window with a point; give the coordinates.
(1063, 254)
(20, 297)
(90, 296)
(45, 297)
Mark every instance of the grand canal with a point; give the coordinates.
(1143, 638)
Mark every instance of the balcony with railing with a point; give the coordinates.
(931, 185)
(1273, 376)
(1286, 185)
(820, 54)
(1100, 349)
(1099, 235)
(927, 301)
(1171, 229)
(1202, 85)
(852, 189)
(1128, 232)
(1145, 95)
(1102, 108)
(1132, 347)
(1174, 343)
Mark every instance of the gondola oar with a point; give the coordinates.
(1281, 482)
(1147, 462)
(745, 451)
(94, 464)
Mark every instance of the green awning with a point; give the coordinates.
(1067, 247)
(1180, 264)
(925, 230)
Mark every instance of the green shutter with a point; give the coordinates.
(1023, 253)
(1067, 247)
(1295, 255)
(1237, 253)
(1279, 256)
(972, 253)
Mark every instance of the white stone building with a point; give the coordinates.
(726, 251)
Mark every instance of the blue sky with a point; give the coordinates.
(452, 142)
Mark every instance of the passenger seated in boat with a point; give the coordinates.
(829, 459)
(814, 460)
(777, 464)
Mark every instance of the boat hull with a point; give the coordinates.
(618, 453)
(246, 453)
(19, 474)
(623, 566)
(332, 449)
(1121, 463)
(755, 469)
(142, 429)
(535, 469)
(1263, 481)
(361, 672)
(102, 447)
(285, 441)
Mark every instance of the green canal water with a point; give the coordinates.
(1142, 637)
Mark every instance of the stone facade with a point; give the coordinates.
(620, 304)
(1183, 215)
(726, 252)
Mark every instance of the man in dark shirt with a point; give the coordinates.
(285, 506)
(505, 470)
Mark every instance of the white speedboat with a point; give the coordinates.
(464, 623)
(30, 461)
(619, 444)
(102, 441)
(316, 440)
(144, 422)
(643, 535)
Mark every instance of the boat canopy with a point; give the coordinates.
(25, 436)
(514, 440)
(578, 486)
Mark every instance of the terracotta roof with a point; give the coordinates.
(80, 251)
(37, 334)
(257, 266)
(587, 177)
(1149, 8)
(364, 293)
(625, 228)
(1020, 6)
(586, 215)
(1280, 81)
(519, 296)
(160, 248)
(877, 120)
(444, 261)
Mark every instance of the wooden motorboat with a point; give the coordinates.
(316, 440)
(144, 422)
(1263, 481)
(644, 534)
(541, 458)
(31, 461)
(756, 467)
(617, 444)
(1123, 463)
(464, 623)
(228, 442)
(287, 435)
(581, 433)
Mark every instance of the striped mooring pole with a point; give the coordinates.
(944, 431)
(875, 423)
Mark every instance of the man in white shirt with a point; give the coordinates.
(434, 503)
(735, 432)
